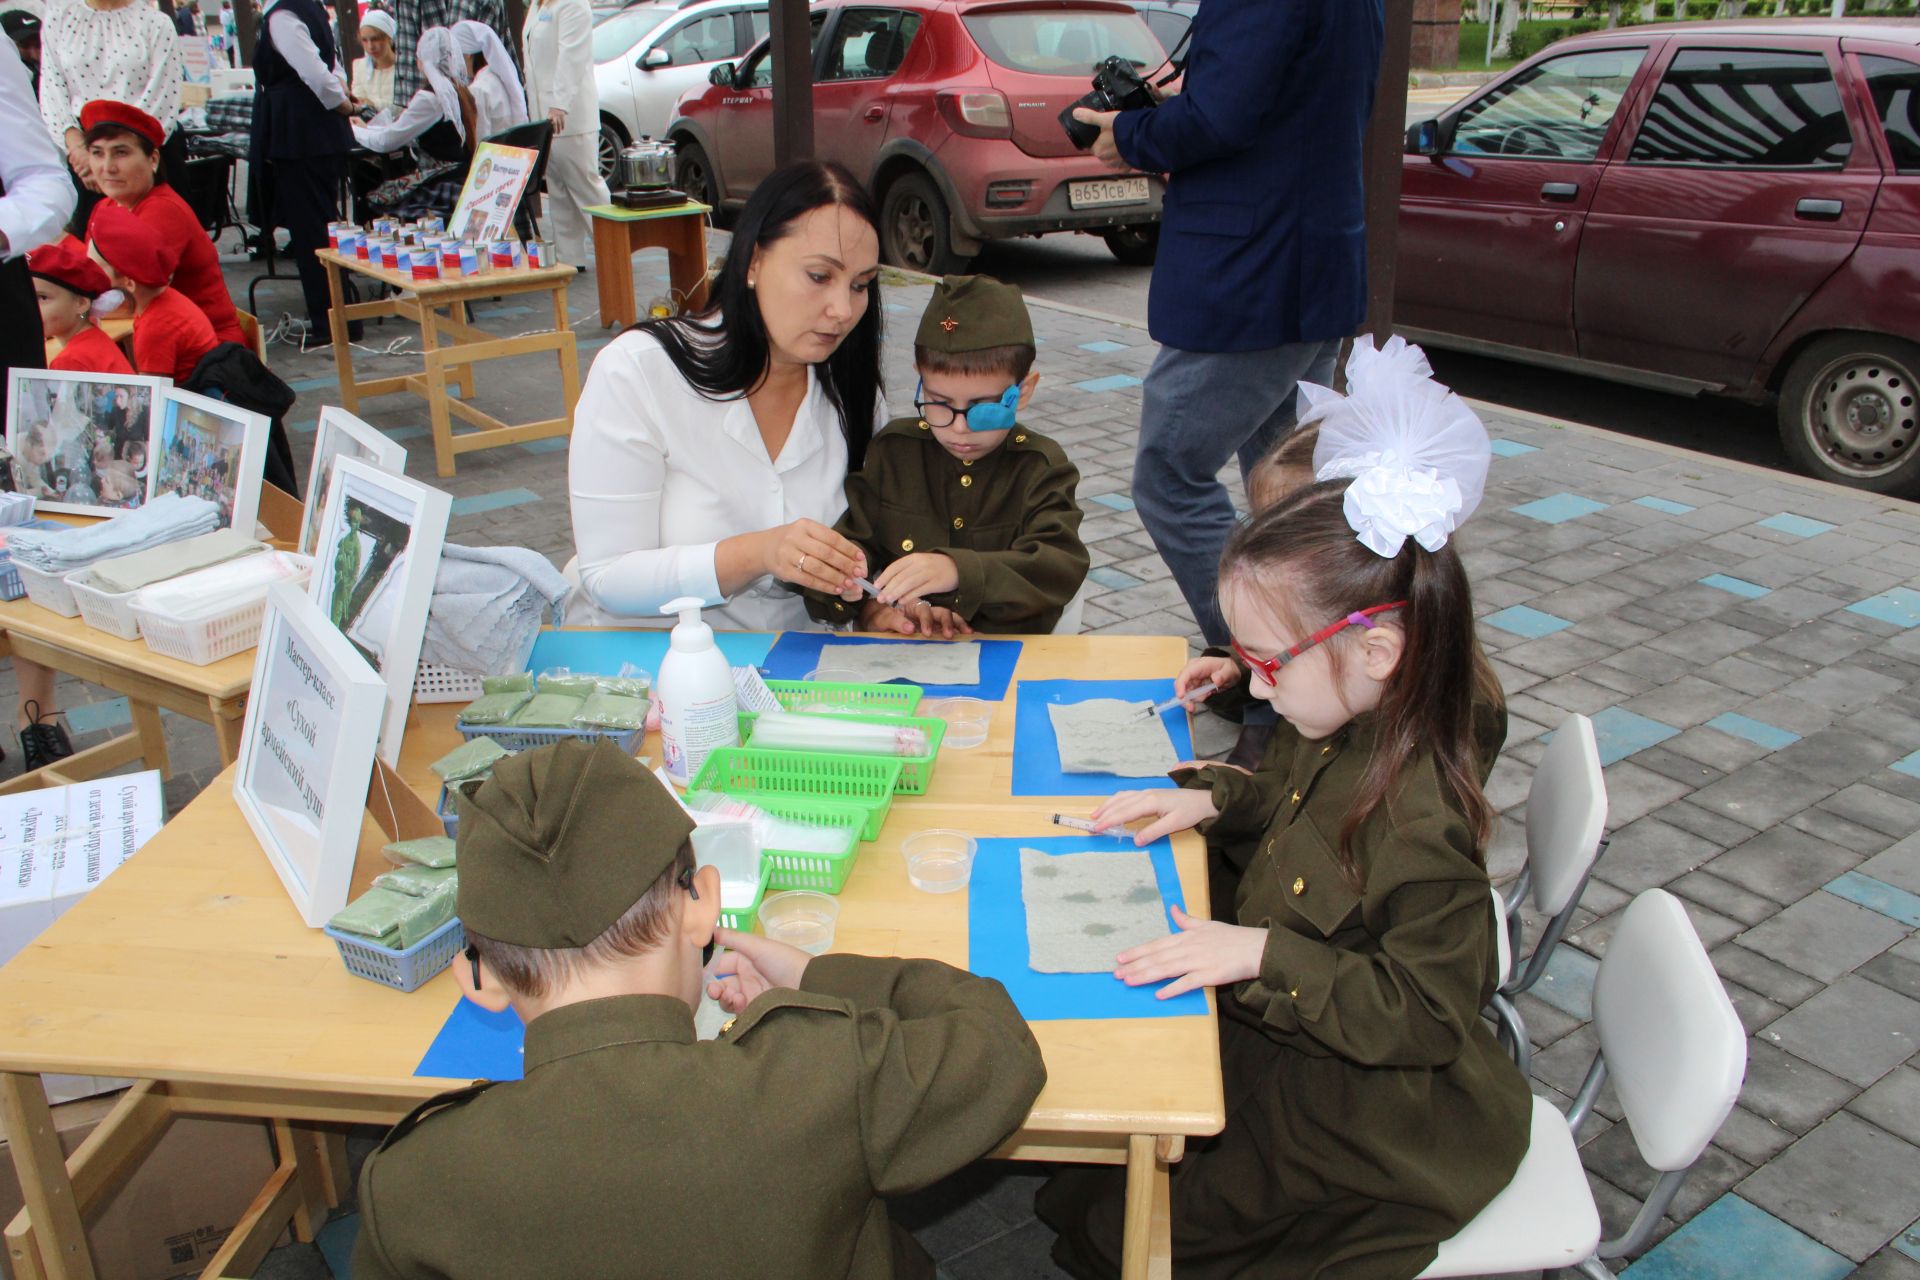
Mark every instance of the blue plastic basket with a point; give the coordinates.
(402, 970)
(516, 740)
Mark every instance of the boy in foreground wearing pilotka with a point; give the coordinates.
(631, 1149)
(970, 517)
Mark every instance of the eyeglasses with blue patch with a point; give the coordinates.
(985, 415)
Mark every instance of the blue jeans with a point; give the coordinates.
(1199, 410)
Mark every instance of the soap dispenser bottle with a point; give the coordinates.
(698, 711)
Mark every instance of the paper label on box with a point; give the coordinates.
(753, 692)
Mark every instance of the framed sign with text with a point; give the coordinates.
(307, 751)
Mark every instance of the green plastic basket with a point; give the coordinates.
(916, 772)
(864, 782)
(826, 872)
(874, 699)
(741, 919)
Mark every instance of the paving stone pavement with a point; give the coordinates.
(1747, 644)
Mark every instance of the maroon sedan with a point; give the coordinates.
(1729, 207)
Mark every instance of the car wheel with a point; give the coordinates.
(693, 173)
(612, 141)
(1135, 245)
(1850, 412)
(915, 230)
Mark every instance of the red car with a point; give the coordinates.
(949, 110)
(1728, 207)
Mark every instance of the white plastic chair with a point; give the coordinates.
(1566, 815)
(1677, 1054)
(1076, 610)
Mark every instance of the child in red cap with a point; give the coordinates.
(170, 334)
(67, 284)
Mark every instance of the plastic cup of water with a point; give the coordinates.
(800, 918)
(940, 860)
(968, 720)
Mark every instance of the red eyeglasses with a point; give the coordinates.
(1269, 668)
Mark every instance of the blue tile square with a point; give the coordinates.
(480, 502)
(1798, 526)
(1900, 606)
(1758, 732)
(1877, 895)
(1667, 505)
(1512, 448)
(406, 433)
(1559, 508)
(1734, 1239)
(1112, 382)
(1567, 984)
(335, 1242)
(1908, 1242)
(1116, 501)
(304, 426)
(1113, 579)
(552, 444)
(1909, 765)
(1621, 733)
(1523, 621)
(1738, 586)
(314, 384)
(1103, 347)
(110, 714)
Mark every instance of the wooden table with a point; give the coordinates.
(215, 694)
(189, 971)
(452, 347)
(619, 233)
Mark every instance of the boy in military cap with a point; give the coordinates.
(970, 517)
(633, 1149)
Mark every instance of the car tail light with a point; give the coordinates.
(1008, 195)
(977, 113)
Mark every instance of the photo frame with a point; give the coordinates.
(82, 442)
(342, 435)
(375, 561)
(210, 449)
(308, 752)
(491, 194)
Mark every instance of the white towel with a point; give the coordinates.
(168, 518)
(488, 606)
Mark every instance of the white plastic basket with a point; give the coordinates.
(48, 590)
(103, 610)
(208, 637)
(435, 683)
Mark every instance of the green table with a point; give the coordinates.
(619, 233)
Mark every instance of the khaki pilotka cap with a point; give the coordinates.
(561, 841)
(972, 313)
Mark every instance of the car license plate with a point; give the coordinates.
(1105, 191)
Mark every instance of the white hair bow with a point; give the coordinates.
(1417, 455)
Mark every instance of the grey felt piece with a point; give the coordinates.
(1083, 909)
(1106, 735)
(954, 663)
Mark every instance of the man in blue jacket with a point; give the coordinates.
(1261, 270)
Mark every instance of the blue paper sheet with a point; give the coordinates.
(600, 653)
(1036, 752)
(474, 1044)
(798, 652)
(997, 937)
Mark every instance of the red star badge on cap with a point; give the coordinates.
(949, 324)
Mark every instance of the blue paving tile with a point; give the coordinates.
(304, 426)
(1117, 501)
(1667, 505)
(552, 444)
(1733, 1239)
(1738, 586)
(1113, 579)
(493, 501)
(1559, 508)
(407, 433)
(488, 312)
(1512, 448)
(336, 1241)
(1798, 526)
(1908, 1242)
(1567, 984)
(1523, 621)
(1112, 382)
(1621, 733)
(1758, 732)
(1102, 347)
(1909, 765)
(1900, 606)
(1876, 895)
(111, 714)
(314, 384)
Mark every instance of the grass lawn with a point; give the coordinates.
(1473, 50)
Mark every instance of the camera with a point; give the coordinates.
(1118, 85)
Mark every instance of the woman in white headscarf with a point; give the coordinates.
(443, 117)
(558, 38)
(373, 74)
(493, 79)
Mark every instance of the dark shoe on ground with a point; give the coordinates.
(43, 741)
(1250, 748)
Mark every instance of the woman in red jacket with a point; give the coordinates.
(68, 285)
(123, 143)
(170, 335)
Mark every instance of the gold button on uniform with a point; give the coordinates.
(1299, 885)
(958, 523)
(966, 482)
(1326, 750)
(1293, 993)
(906, 544)
(726, 1026)
(1296, 797)
(966, 462)
(1020, 439)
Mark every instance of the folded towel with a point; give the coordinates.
(170, 560)
(168, 518)
(224, 587)
(488, 605)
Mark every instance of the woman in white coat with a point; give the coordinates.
(558, 41)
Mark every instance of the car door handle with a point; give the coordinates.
(1819, 210)
(1559, 191)
(874, 113)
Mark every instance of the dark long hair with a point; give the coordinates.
(723, 352)
(1302, 557)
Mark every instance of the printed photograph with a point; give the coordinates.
(340, 435)
(80, 444)
(201, 453)
(363, 566)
